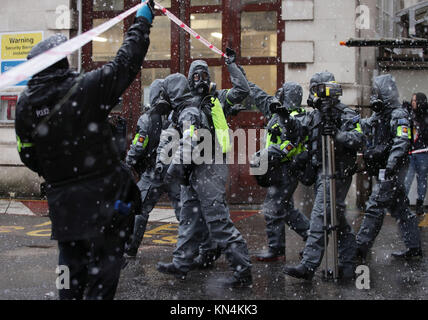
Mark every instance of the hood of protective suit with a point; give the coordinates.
(385, 89)
(195, 66)
(291, 95)
(155, 89)
(321, 77)
(178, 91)
(159, 101)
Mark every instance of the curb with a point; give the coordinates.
(39, 208)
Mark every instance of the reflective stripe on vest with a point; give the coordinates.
(220, 125)
(22, 145)
(269, 141)
(358, 128)
(227, 100)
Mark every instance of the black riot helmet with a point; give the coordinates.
(199, 79)
(47, 44)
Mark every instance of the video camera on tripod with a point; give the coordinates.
(331, 90)
(326, 97)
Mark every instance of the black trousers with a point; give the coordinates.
(95, 264)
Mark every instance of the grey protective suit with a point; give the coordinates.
(388, 133)
(142, 157)
(203, 193)
(278, 207)
(348, 140)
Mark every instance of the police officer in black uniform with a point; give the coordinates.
(63, 134)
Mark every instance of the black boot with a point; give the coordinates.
(347, 273)
(271, 255)
(130, 253)
(419, 207)
(299, 272)
(243, 280)
(169, 268)
(361, 254)
(203, 261)
(408, 254)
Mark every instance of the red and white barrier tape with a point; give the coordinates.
(189, 30)
(419, 151)
(41, 62)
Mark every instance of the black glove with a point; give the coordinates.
(231, 56)
(329, 130)
(276, 106)
(376, 105)
(341, 137)
(237, 108)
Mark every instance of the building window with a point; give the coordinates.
(208, 25)
(253, 28)
(205, 2)
(160, 47)
(105, 46)
(257, 1)
(264, 76)
(385, 25)
(7, 108)
(107, 5)
(258, 34)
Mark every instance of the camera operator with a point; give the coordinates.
(333, 118)
(388, 132)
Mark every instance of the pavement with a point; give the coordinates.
(28, 259)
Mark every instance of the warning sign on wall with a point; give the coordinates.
(16, 46)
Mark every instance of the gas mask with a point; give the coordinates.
(376, 104)
(162, 104)
(312, 96)
(202, 83)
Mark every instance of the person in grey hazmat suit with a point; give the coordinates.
(203, 191)
(278, 207)
(346, 130)
(142, 158)
(386, 157)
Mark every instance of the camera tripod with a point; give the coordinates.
(328, 172)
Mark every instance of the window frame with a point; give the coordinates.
(180, 55)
